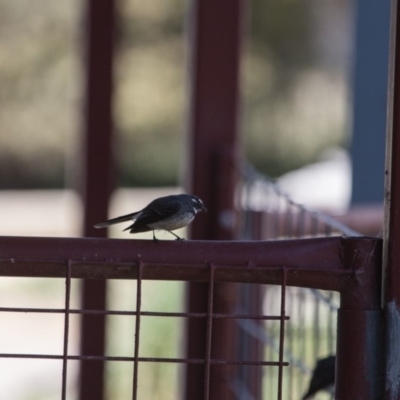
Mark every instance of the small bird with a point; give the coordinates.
(323, 377)
(165, 213)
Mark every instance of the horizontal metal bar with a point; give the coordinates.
(214, 361)
(144, 359)
(142, 313)
(235, 261)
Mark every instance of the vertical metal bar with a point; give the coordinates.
(278, 217)
(288, 222)
(316, 328)
(98, 165)
(267, 221)
(328, 230)
(137, 331)
(360, 333)
(282, 333)
(213, 127)
(391, 279)
(291, 339)
(256, 294)
(250, 302)
(97, 180)
(330, 326)
(314, 224)
(302, 330)
(207, 364)
(66, 330)
(301, 222)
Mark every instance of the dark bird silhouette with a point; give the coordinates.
(323, 377)
(165, 213)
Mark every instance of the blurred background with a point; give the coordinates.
(295, 81)
(307, 77)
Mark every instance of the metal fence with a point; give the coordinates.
(242, 262)
(39, 263)
(269, 213)
(283, 328)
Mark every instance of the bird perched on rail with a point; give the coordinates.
(165, 213)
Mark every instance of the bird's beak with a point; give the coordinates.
(203, 208)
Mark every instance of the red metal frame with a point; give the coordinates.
(51, 267)
(97, 176)
(213, 129)
(351, 266)
(348, 265)
(115, 259)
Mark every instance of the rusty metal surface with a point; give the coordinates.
(97, 176)
(359, 355)
(360, 331)
(364, 291)
(237, 261)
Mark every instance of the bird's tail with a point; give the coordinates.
(128, 217)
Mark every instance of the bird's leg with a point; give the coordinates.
(177, 237)
(154, 237)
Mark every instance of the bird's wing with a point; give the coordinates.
(164, 207)
(117, 220)
(156, 211)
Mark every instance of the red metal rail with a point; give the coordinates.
(253, 262)
(348, 265)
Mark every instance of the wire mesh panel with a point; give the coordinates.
(269, 213)
(281, 217)
(274, 362)
(267, 267)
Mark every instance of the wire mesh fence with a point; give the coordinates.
(269, 213)
(136, 358)
(281, 217)
(282, 330)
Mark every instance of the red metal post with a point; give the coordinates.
(359, 356)
(391, 282)
(97, 180)
(213, 125)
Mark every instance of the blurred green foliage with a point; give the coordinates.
(294, 105)
(39, 91)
